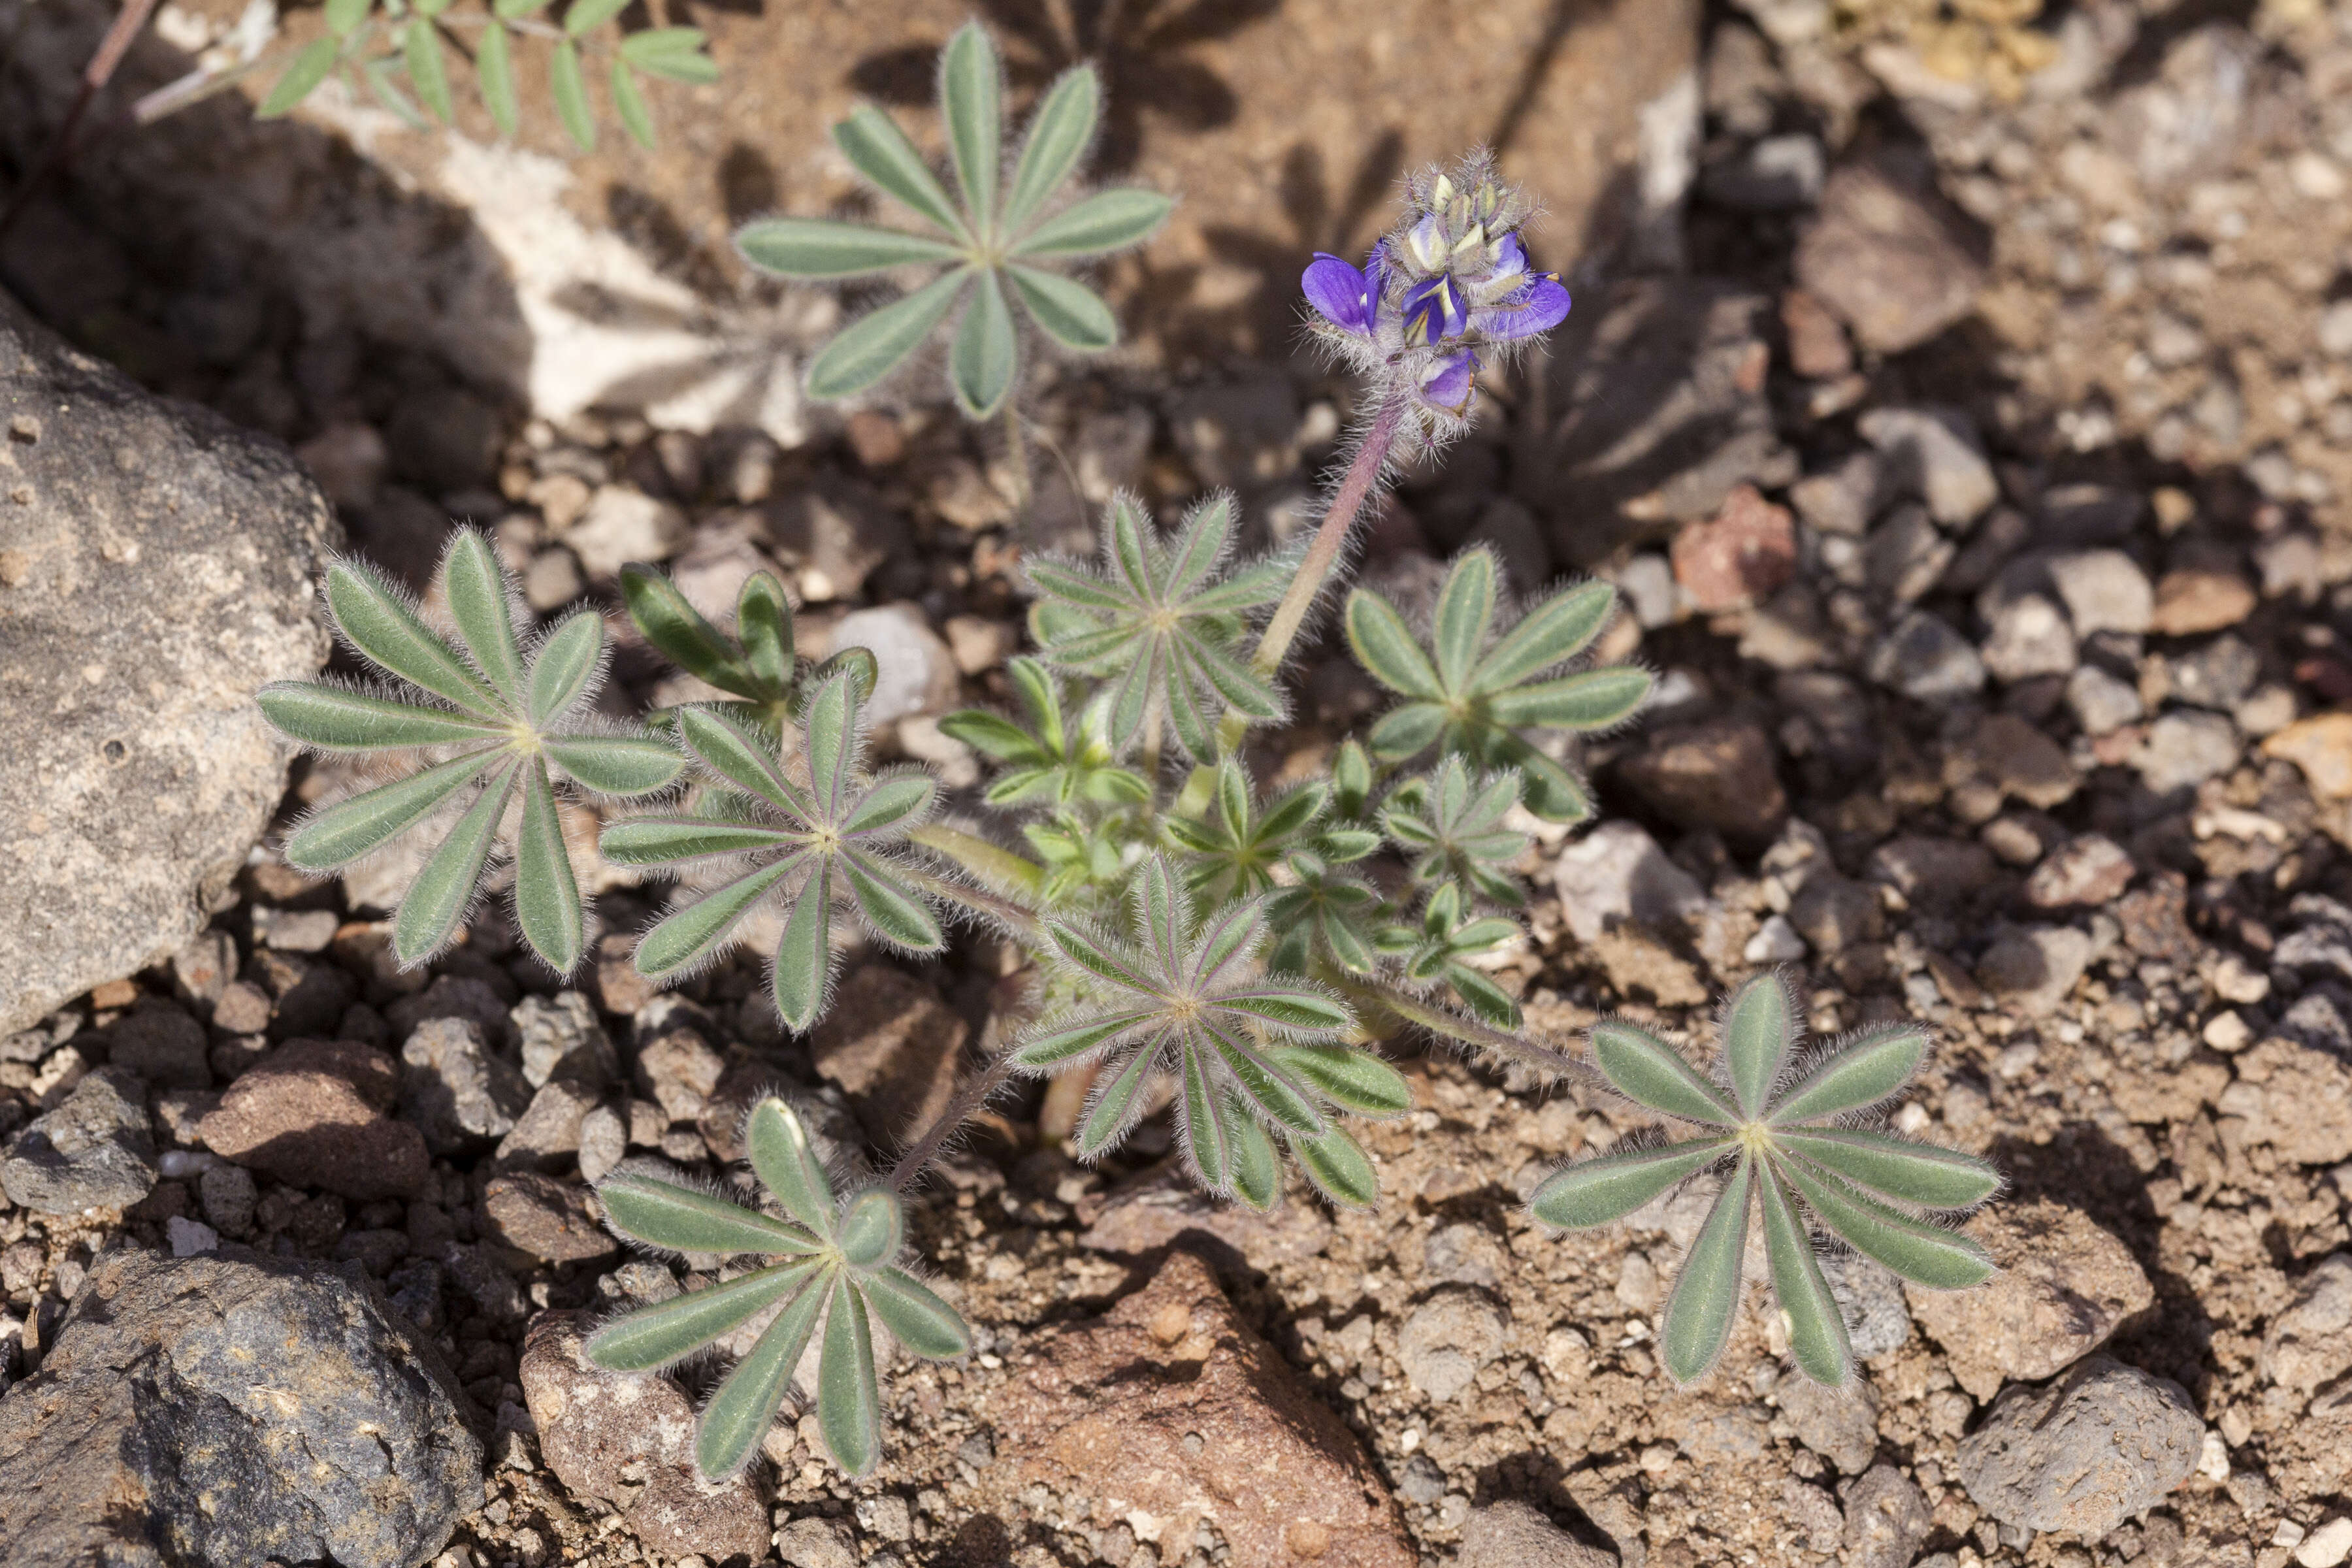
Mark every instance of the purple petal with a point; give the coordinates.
(1340, 295)
(1510, 258)
(1540, 308)
(1452, 383)
(1434, 310)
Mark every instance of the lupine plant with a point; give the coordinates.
(1792, 1133)
(1192, 937)
(1001, 237)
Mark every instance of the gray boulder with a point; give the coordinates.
(2101, 1444)
(233, 1408)
(157, 565)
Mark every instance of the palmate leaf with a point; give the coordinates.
(1471, 693)
(1796, 1156)
(828, 842)
(1052, 761)
(1162, 619)
(1183, 1003)
(1450, 825)
(837, 1274)
(983, 218)
(517, 714)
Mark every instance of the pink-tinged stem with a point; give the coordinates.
(976, 1092)
(1363, 477)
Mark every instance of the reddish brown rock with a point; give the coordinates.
(1817, 345)
(1717, 774)
(1164, 1206)
(1887, 258)
(311, 1114)
(547, 1219)
(2092, 869)
(2065, 1286)
(893, 1046)
(1749, 549)
(628, 1439)
(1169, 1404)
(2292, 1098)
(678, 1069)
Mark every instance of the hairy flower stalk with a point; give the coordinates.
(1440, 294)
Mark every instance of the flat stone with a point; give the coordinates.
(1932, 872)
(1617, 872)
(2028, 638)
(311, 1114)
(2103, 1442)
(2292, 1096)
(2017, 759)
(455, 1092)
(2089, 869)
(561, 1037)
(677, 1068)
(1449, 1337)
(169, 567)
(2322, 747)
(554, 1221)
(550, 1128)
(622, 525)
(2310, 1343)
(1887, 260)
(1171, 1402)
(165, 1421)
(1934, 454)
(2104, 591)
(1841, 1424)
(2065, 1286)
(2035, 967)
(1835, 912)
(915, 671)
(627, 1439)
(95, 1150)
(1718, 774)
(1925, 658)
(894, 1049)
(2184, 749)
(2102, 702)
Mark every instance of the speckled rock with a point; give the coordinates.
(2310, 1343)
(157, 564)
(1449, 1337)
(1169, 1401)
(1513, 1534)
(2065, 1286)
(1887, 1518)
(454, 1091)
(628, 1439)
(233, 1408)
(1163, 1207)
(95, 1150)
(553, 1220)
(312, 1113)
(2292, 1097)
(2083, 1453)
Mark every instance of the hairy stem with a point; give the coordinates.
(1016, 454)
(1003, 912)
(128, 22)
(974, 1094)
(1470, 1032)
(1330, 542)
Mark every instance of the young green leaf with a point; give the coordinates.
(312, 66)
(1705, 1299)
(494, 71)
(744, 1407)
(877, 343)
(571, 88)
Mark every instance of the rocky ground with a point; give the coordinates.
(1975, 465)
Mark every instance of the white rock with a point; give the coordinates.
(917, 675)
(189, 1237)
(2328, 1545)
(1776, 942)
(622, 525)
(1618, 872)
(1934, 453)
(2104, 591)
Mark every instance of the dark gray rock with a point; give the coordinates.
(1841, 1424)
(1886, 1519)
(2083, 1453)
(94, 1150)
(157, 564)
(232, 1408)
(164, 1045)
(454, 1090)
(561, 1038)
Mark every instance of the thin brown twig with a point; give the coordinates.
(127, 24)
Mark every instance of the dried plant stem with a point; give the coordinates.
(1470, 1032)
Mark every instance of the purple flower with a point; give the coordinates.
(1434, 311)
(1343, 296)
(1452, 382)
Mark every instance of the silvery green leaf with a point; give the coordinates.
(584, 17)
(378, 622)
(629, 103)
(871, 140)
(565, 664)
(663, 1334)
(778, 1147)
(685, 937)
(677, 630)
(494, 71)
(1111, 220)
(1058, 134)
(615, 764)
(1611, 1185)
(1922, 1253)
(892, 911)
(915, 1316)
(1556, 630)
(546, 894)
(1338, 1166)
(1817, 1335)
(1117, 1103)
(879, 342)
(1858, 1075)
(1647, 1069)
(1466, 609)
(804, 953)
(981, 360)
(365, 823)
(1895, 1167)
(1070, 313)
(972, 104)
(744, 1407)
(872, 1227)
(571, 88)
(1705, 1299)
(1208, 1143)
(427, 71)
(682, 1219)
(429, 912)
(823, 247)
(1353, 1079)
(312, 66)
(1759, 1027)
(1256, 1164)
(335, 720)
(847, 1402)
